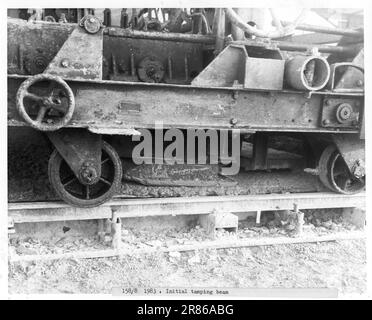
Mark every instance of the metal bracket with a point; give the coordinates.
(234, 68)
(352, 150)
(225, 70)
(346, 84)
(80, 57)
(80, 148)
(341, 112)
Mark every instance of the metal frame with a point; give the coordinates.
(127, 105)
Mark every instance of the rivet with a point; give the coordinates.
(64, 63)
(359, 83)
(234, 121)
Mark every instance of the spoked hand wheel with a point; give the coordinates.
(335, 174)
(70, 189)
(45, 102)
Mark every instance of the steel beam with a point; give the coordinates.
(124, 105)
(131, 208)
(181, 37)
(207, 244)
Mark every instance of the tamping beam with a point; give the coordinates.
(131, 208)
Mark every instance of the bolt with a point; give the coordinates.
(64, 63)
(326, 122)
(234, 121)
(327, 102)
(359, 169)
(88, 173)
(359, 83)
(91, 20)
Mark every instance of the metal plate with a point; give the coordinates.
(80, 56)
(264, 74)
(329, 112)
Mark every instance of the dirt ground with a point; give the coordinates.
(340, 265)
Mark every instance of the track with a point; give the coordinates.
(118, 209)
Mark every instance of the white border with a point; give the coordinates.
(367, 5)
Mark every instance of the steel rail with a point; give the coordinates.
(217, 244)
(24, 212)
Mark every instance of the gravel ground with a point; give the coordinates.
(339, 264)
(333, 265)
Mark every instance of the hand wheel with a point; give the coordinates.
(45, 102)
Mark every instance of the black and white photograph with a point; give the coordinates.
(195, 150)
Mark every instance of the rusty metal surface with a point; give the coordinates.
(178, 37)
(307, 72)
(78, 146)
(80, 56)
(58, 98)
(264, 74)
(115, 105)
(333, 109)
(121, 55)
(352, 79)
(225, 70)
(31, 46)
(139, 105)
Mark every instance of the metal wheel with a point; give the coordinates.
(323, 166)
(45, 102)
(71, 190)
(335, 174)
